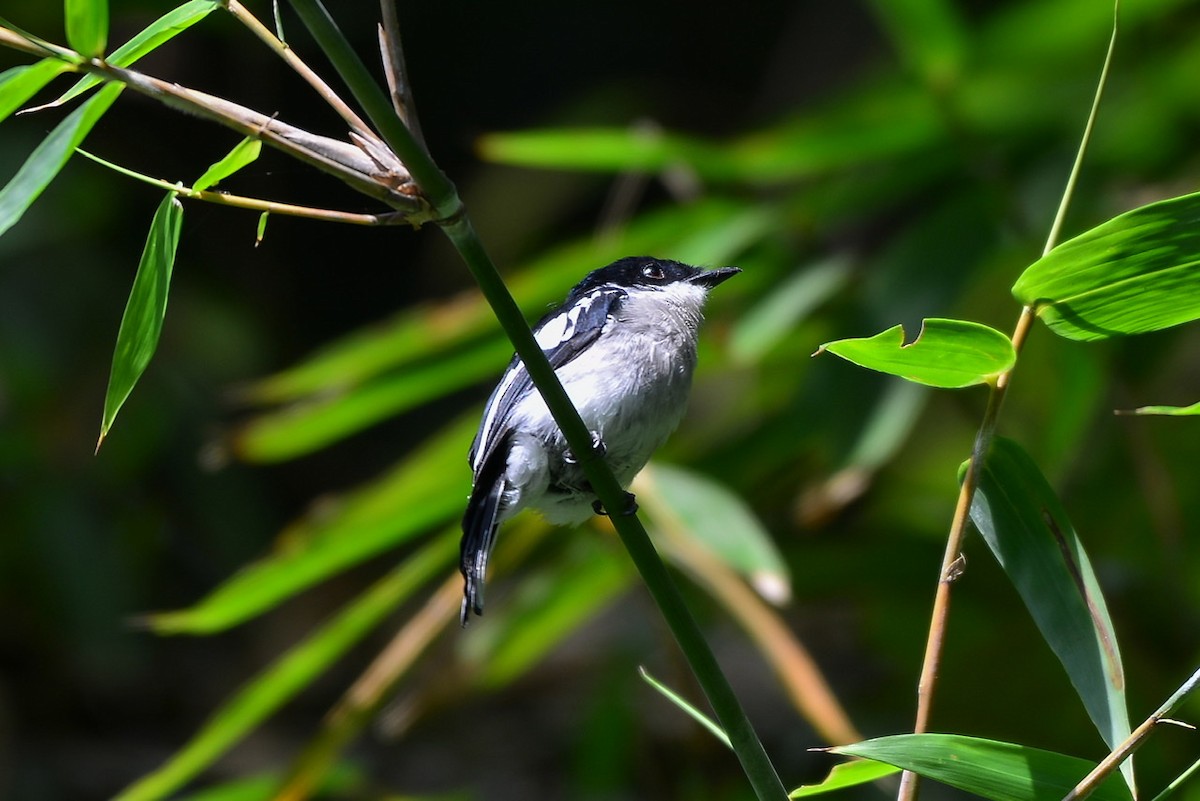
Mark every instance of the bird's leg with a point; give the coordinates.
(631, 506)
(598, 448)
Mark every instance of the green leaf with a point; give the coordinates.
(1135, 273)
(19, 84)
(294, 431)
(947, 353)
(1175, 411)
(847, 774)
(338, 533)
(289, 675)
(1027, 529)
(87, 26)
(712, 517)
(261, 231)
(242, 154)
(995, 770)
(688, 709)
(157, 33)
(49, 157)
(142, 322)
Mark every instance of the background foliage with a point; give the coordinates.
(865, 164)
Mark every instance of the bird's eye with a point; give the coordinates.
(652, 272)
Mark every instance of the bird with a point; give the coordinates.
(623, 345)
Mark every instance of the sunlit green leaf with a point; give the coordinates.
(947, 353)
(242, 154)
(712, 517)
(1027, 529)
(142, 322)
(691, 711)
(87, 26)
(1174, 411)
(1135, 273)
(995, 770)
(847, 774)
(420, 492)
(261, 231)
(150, 38)
(49, 157)
(295, 670)
(19, 84)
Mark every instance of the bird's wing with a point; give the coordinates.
(563, 335)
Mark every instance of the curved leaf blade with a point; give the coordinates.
(949, 354)
(1028, 531)
(995, 770)
(151, 37)
(142, 322)
(87, 26)
(242, 154)
(49, 157)
(19, 84)
(847, 774)
(1138, 272)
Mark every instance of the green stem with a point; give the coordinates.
(454, 222)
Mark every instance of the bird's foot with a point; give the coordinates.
(631, 506)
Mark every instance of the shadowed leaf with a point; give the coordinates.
(19, 84)
(87, 26)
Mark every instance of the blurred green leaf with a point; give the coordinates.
(1027, 529)
(289, 675)
(947, 353)
(306, 427)
(776, 315)
(995, 770)
(713, 517)
(688, 709)
(1138, 272)
(1175, 411)
(87, 26)
(19, 84)
(154, 35)
(929, 35)
(340, 532)
(49, 157)
(547, 607)
(142, 322)
(242, 154)
(847, 774)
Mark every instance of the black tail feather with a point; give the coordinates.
(479, 525)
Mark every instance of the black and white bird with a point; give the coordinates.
(623, 344)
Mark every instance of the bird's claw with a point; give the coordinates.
(631, 506)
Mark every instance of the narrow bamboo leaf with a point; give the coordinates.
(995, 770)
(242, 154)
(263, 695)
(688, 709)
(947, 353)
(340, 532)
(1027, 529)
(49, 157)
(87, 26)
(548, 606)
(716, 519)
(142, 322)
(154, 35)
(19, 84)
(293, 432)
(1175, 411)
(1138, 272)
(847, 774)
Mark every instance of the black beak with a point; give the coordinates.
(710, 278)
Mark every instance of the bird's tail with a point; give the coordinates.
(479, 525)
